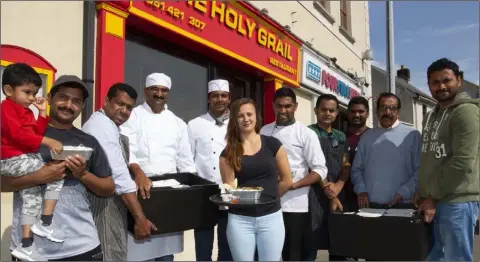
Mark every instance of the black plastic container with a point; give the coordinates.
(180, 209)
(383, 239)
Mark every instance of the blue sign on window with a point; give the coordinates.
(313, 72)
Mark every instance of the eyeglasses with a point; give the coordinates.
(333, 141)
(386, 108)
(155, 89)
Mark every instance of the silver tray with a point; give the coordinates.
(246, 194)
(86, 152)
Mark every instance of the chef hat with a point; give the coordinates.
(158, 79)
(218, 85)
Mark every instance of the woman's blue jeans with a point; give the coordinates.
(265, 233)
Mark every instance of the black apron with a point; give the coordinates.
(110, 216)
(334, 162)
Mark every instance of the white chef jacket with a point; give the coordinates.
(158, 144)
(207, 141)
(304, 152)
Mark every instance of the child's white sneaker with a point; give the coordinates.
(49, 232)
(28, 253)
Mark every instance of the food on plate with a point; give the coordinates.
(235, 199)
(249, 189)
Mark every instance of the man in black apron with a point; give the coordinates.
(110, 213)
(335, 149)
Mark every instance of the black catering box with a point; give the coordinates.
(180, 209)
(383, 238)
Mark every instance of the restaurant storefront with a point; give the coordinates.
(194, 42)
(318, 78)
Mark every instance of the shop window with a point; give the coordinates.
(241, 84)
(15, 54)
(188, 71)
(323, 6)
(344, 15)
(345, 20)
(41, 92)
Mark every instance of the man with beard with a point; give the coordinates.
(72, 212)
(334, 147)
(385, 169)
(449, 165)
(308, 167)
(207, 139)
(159, 145)
(110, 214)
(357, 115)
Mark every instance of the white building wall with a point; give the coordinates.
(307, 22)
(418, 112)
(304, 112)
(54, 30)
(418, 116)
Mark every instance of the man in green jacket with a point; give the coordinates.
(449, 182)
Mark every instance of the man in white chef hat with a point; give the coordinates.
(153, 130)
(207, 140)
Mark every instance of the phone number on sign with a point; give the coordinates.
(175, 13)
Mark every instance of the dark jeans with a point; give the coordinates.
(340, 258)
(92, 255)
(312, 256)
(298, 237)
(164, 258)
(204, 241)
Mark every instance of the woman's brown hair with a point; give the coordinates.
(234, 148)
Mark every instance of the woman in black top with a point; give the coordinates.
(256, 161)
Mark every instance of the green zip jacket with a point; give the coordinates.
(449, 162)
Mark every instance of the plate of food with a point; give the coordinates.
(243, 192)
(242, 196)
(246, 192)
(231, 200)
(81, 150)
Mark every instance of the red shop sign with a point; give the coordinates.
(230, 28)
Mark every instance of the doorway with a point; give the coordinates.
(242, 85)
(341, 123)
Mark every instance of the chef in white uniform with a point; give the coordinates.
(207, 139)
(308, 167)
(158, 145)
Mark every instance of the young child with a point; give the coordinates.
(21, 138)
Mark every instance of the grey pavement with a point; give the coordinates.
(189, 250)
